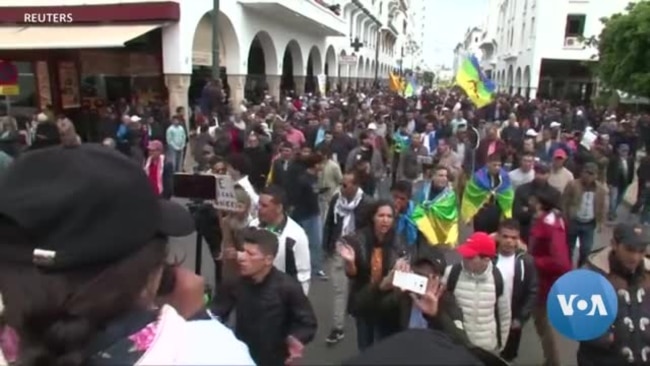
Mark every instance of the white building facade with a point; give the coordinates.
(523, 35)
(348, 42)
(470, 46)
(308, 29)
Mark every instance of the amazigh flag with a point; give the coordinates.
(437, 220)
(470, 77)
(401, 142)
(269, 176)
(478, 192)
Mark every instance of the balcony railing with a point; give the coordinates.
(334, 8)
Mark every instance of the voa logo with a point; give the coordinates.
(582, 305)
(569, 304)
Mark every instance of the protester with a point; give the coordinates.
(267, 299)
(64, 313)
(624, 265)
(371, 256)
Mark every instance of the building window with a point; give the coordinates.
(475, 39)
(575, 25)
(532, 28)
(381, 7)
(27, 88)
(523, 34)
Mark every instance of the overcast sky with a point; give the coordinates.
(446, 24)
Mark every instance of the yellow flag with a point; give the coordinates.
(394, 83)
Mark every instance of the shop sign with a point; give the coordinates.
(9, 90)
(347, 60)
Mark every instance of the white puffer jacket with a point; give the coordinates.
(476, 297)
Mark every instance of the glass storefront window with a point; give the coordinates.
(26, 101)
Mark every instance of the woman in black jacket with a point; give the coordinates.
(370, 257)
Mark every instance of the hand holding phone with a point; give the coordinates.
(410, 282)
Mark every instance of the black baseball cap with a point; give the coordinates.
(633, 236)
(542, 168)
(423, 347)
(82, 206)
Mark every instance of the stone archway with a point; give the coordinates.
(313, 68)
(518, 81)
(366, 70)
(331, 69)
(262, 61)
(292, 66)
(372, 69)
(360, 68)
(509, 79)
(229, 55)
(526, 82)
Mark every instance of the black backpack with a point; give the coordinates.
(454, 274)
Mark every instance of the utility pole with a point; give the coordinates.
(216, 67)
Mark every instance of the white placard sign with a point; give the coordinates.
(226, 199)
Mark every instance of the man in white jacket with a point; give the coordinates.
(478, 288)
(293, 255)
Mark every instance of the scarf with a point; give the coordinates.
(406, 226)
(159, 175)
(345, 209)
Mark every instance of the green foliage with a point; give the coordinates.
(624, 50)
(428, 76)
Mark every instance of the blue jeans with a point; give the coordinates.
(176, 158)
(369, 333)
(312, 227)
(616, 196)
(585, 232)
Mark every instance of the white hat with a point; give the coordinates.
(265, 127)
(531, 133)
(41, 117)
(134, 118)
(372, 126)
(555, 125)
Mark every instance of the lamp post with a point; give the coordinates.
(216, 69)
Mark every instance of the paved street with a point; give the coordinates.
(321, 297)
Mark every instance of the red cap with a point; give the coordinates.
(155, 145)
(478, 244)
(559, 154)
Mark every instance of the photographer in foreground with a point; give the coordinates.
(82, 255)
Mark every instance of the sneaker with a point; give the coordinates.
(322, 275)
(335, 336)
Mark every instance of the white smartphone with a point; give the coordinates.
(410, 282)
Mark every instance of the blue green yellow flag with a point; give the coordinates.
(479, 89)
(478, 192)
(437, 219)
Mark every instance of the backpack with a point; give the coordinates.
(454, 274)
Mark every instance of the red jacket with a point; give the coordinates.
(548, 246)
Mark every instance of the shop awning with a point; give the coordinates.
(70, 37)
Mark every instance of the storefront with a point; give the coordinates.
(86, 55)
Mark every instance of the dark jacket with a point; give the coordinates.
(333, 225)
(615, 174)
(449, 314)
(266, 314)
(279, 173)
(524, 287)
(260, 158)
(365, 299)
(521, 209)
(630, 343)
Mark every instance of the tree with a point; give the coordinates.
(624, 50)
(427, 76)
